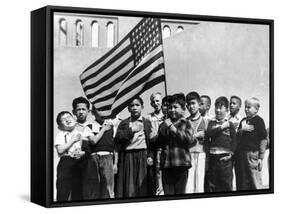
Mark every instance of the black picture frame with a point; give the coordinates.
(42, 112)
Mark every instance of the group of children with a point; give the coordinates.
(164, 153)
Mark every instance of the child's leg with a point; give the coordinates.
(64, 179)
(200, 173)
(240, 163)
(76, 181)
(255, 181)
(225, 175)
(106, 176)
(90, 178)
(167, 181)
(191, 186)
(212, 177)
(180, 179)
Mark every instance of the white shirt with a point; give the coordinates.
(63, 137)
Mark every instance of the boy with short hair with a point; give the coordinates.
(154, 174)
(197, 150)
(222, 144)
(165, 105)
(252, 140)
(205, 105)
(97, 178)
(68, 146)
(174, 137)
(234, 108)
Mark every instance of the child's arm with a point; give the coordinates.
(183, 132)
(62, 148)
(94, 139)
(233, 137)
(262, 136)
(213, 129)
(115, 162)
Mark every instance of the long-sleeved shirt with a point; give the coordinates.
(175, 145)
(221, 140)
(252, 140)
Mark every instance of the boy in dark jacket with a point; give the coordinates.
(222, 142)
(252, 140)
(175, 138)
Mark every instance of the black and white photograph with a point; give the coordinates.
(159, 106)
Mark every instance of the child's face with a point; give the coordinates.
(175, 111)
(81, 112)
(234, 106)
(250, 109)
(204, 106)
(165, 108)
(220, 111)
(135, 108)
(156, 103)
(193, 107)
(67, 122)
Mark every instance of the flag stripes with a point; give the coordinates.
(134, 65)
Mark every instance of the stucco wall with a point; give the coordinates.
(212, 58)
(220, 59)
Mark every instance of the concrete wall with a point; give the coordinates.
(220, 59)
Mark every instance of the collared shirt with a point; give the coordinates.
(156, 120)
(236, 119)
(138, 141)
(198, 124)
(64, 136)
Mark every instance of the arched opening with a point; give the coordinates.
(62, 32)
(110, 35)
(79, 38)
(95, 34)
(179, 29)
(166, 32)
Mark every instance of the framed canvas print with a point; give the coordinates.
(134, 106)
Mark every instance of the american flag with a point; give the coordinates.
(133, 66)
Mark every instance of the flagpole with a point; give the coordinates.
(165, 83)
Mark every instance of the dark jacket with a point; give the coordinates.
(224, 138)
(124, 134)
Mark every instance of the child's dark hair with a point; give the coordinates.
(222, 101)
(208, 98)
(58, 119)
(136, 98)
(78, 100)
(192, 96)
(237, 98)
(178, 98)
(166, 99)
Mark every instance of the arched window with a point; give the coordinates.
(110, 35)
(95, 34)
(179, 29)
(79, 38)
(166, 32)
(62, 32)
